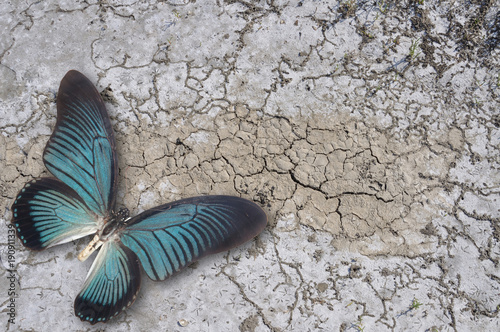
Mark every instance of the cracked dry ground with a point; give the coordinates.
(378, 165)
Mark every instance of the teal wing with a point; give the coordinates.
(81, 150)
(111, 285)
(169, 237)
(47, 212)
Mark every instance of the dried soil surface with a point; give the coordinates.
(367, 130)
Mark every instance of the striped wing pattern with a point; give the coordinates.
(111, 285)
(80, 200)
(81, 150)
(47, 212)
(169, 237)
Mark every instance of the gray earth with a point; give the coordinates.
(369, 131)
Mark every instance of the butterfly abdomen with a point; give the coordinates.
(81, 154)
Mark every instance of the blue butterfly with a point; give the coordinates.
(80, 200)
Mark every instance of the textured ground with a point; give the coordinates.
(368, 130)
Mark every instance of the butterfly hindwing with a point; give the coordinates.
(111, 285)
(81, 150)
(80, 200)
(46, 212)
(169, 237)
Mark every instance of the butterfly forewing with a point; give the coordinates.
(171, 236)
(80, 201)
(47, 212)
(81, 150)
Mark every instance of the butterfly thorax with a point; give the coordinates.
(116, 222)
(122, 215)
(108, 232)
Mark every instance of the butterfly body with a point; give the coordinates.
(80, 200)
(118, 220)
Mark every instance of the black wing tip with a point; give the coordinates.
(94, 313)
(30, 240)
(250, 220)
(21, 219)
(73, 79)
(76, 85)
(258, 214)
(74, 72)
(74, 75)
(249, 208)
(255, 218)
